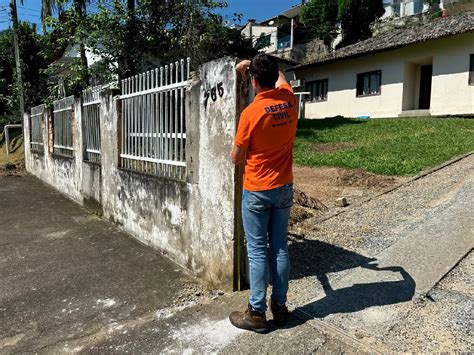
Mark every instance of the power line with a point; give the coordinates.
(28, 8)
(27, 15)
(20, 7)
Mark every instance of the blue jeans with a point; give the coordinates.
(265, 216)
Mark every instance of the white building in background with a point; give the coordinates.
(418, 70)
(285, 37)
(276, 33)
(403, 8)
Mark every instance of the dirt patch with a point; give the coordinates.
(12, 169)
(331, 147)
(366, 180)
(299, 214)
(328, 184)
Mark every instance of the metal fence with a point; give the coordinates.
(62, 126)
(91, 123)
(154, 121)
(36, 128)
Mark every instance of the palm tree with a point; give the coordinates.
(47, 9)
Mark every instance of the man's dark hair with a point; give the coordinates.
(264, 69)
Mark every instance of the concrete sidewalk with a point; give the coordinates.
(71, 282)
(66, 274)
(390, 254)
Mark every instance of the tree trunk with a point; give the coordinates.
(130, 68)
(19, 78)
(80, 9)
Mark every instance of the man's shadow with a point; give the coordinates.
(316, 258)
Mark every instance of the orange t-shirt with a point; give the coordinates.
(267, 128)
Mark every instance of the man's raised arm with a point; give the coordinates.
(281, 79)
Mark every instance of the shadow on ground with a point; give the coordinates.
(316, 258)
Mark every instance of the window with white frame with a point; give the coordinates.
(369, 83)
(318, 90)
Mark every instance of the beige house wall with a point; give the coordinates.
(256, 31)
(450, 92)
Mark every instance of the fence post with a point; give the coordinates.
(7, 139)
(49, 120)
(217, 106)
(193, 95)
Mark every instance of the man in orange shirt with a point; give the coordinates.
(264, 141)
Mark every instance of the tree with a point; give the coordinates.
(320, 16)
(80, 11)
(133, 36)
(31, 50)
(143, 35)
(356, 16)
(47, 9)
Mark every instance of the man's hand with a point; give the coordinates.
(281, 80)
(242, 69)
(238, 155)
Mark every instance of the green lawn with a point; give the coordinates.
(397, 146)
(16, 150)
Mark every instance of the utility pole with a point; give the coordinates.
(19, 78)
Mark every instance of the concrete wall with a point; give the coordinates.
(65, 174)
(450, 92)
(191, 221)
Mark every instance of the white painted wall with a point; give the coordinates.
(450, 93)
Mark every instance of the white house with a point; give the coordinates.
(284, 36)
(275, 33)
(423, 69)
(404, 8)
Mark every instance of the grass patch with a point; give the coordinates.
(398, 146)
(16, 150)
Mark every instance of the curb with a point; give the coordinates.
(417, 177)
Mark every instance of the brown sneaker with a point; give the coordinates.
(249, 320)
(280, 314)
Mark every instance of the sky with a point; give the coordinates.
(256, 9)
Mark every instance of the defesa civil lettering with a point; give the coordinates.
(281, 115)
(278, 107)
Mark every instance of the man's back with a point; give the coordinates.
(267, 129)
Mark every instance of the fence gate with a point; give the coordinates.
(91, 123)
(154, 121)
(62, 126)
(36, 128)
